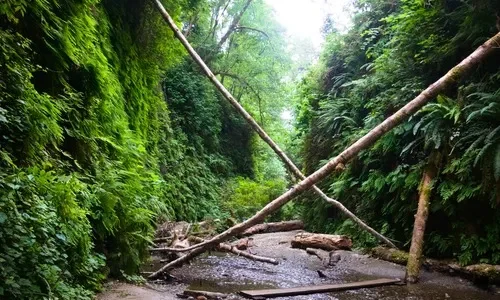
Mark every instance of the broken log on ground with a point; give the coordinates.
(484, 273)
(326, 242)
(274, 227)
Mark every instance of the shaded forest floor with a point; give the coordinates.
(226, 273)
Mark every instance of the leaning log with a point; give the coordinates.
(259, 130)
(326, 242)
(451, 78)
(274, 227)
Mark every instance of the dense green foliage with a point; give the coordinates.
(392, 52)
(107, 129)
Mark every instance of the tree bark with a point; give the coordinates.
(326, 242)
(449, 79)
(286, 160)
(417, 241)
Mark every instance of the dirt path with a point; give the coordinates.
(227, 273)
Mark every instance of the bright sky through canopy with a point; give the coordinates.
(305, 18)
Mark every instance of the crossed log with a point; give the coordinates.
(448, 80)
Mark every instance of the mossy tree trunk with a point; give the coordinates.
(417, 242)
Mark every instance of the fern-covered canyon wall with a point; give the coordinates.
(106, 129)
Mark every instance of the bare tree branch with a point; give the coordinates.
(240, 28)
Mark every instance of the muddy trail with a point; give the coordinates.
(226, 273)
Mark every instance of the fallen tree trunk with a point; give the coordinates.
(256, 127)
(478, 273)
(274, 227)
(452, 77)
(326, 242)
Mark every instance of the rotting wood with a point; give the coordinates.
(326, 242)
(477, 273)
(307, 290)
(274, 227)
(257, 128)
(452, 77)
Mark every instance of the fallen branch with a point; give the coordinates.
(223, 247)
(452, 77)
(265, 137)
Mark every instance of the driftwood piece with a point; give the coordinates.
(326, 242)
(274, 227)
